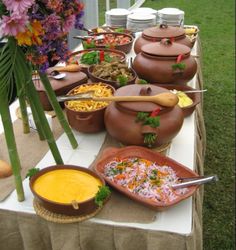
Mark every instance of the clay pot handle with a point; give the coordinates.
(83, 118)
(163, 26)
(144, 91)
(75, 204)
(166, 41)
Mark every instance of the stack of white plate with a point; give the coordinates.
(144, 11)
(138, 22)
(117, 17)
(171, 16)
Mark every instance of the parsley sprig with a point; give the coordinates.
(102, 195)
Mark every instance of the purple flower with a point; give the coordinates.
(69, 23)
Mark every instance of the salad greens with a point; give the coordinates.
(93, 57)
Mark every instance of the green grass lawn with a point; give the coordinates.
(216, 20)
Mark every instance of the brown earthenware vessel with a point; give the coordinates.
(78, 208)
(103, 43)
(157, 33)
(121, 118)
(87, 121)
(196, 96)
(165, 62)
(75, 57)
(109, 154)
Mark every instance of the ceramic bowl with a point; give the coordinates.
(79, 208)
(111, 154)
(116, 55)
(87, 121)
(196, 97)
(115, 84)
(102, 29)
(112, 40)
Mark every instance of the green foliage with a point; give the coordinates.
(32, 172)
(122, 80)
(102, 195)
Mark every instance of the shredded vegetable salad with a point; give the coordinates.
(144, 178)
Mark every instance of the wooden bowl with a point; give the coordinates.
(196, 97)
(87, 121)
(69, 208)
(108, 43)
(111, 154)
(115, 84)
(75, 57)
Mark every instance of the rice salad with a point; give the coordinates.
(144, 178)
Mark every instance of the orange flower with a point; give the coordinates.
(32, 35)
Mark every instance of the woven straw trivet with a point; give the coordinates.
(162, 148)
(60, 218)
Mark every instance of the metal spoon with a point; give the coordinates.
(195, 181)
(166, 99)
(54, 74)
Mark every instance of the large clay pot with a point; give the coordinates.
(157, 33)
(165, 62)
(121, 118)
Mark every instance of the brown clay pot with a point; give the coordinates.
(81, 208)
(86, 121)
(120, 117)
(157, 33)
(157, 62)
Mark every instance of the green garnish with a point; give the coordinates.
(180, 66)
(142, 81)
(152, 121)
(89, 45)
(122, 80)
(90, 58)
(148, 120)
(32, 172)
(150, 139)
(102, 195)
(119, 30)
(141, 116)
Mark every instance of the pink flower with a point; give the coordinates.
(69, 23)
(12, 25)
(18, 5)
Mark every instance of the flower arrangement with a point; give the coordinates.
(35, 34)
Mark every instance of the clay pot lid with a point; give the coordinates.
(165, 48)
(136, 90)
(163, 31)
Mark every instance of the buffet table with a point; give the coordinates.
(179, 227)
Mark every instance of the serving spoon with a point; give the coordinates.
(54, 74)
(166, 99)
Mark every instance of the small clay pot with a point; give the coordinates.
(196, 97)
(74, 57)
(114, 84)
(80, 208)
(126, 47)
(156, 34)
(121, 118)
(165, 62)
(87, 121)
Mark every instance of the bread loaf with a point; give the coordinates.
(5, 169)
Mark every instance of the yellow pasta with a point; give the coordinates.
(100, 90)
